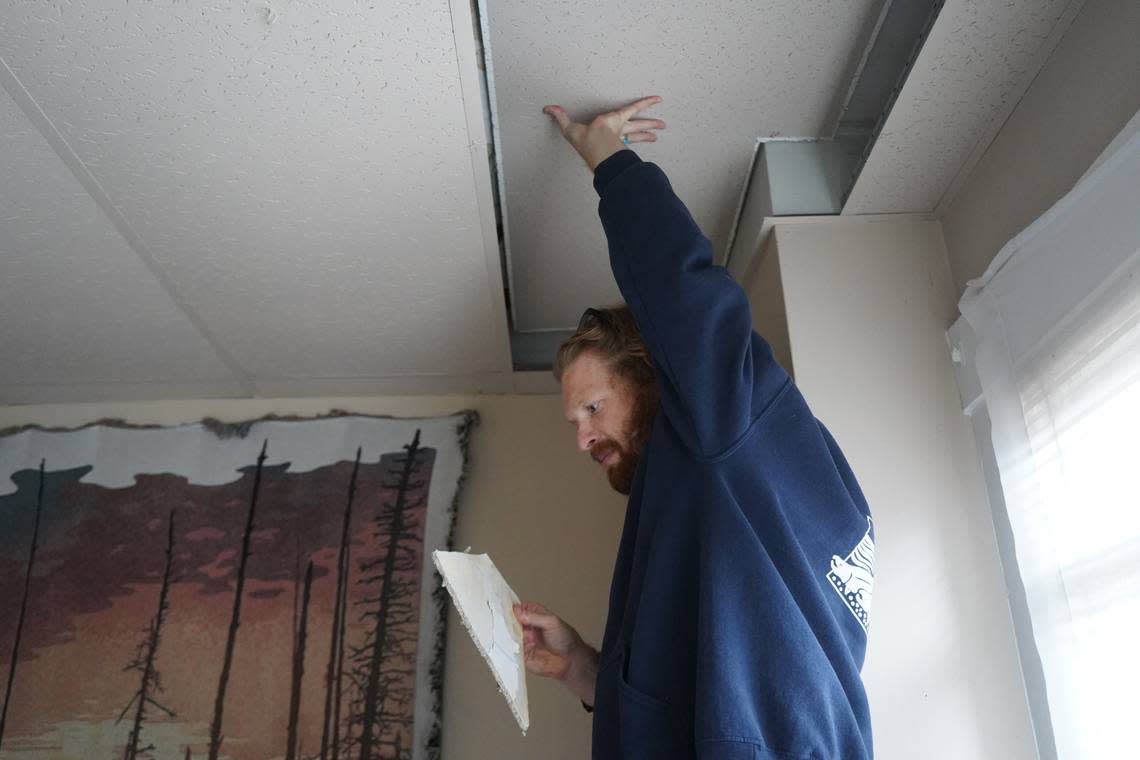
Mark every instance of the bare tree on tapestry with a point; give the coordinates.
(334, 675)
(384, 669)
(235, 620)
(299, 639)
(23, 605)
(144, 661)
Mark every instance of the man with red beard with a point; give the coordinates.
(735, 630)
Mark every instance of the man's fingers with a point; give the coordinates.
(640, 125)
(559, 115)
(521, 609)
(534, 614)
(541, 620)
(631, 110)
(642, 137)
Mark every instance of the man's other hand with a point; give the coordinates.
(553, 649)
(603, 136)
(548, 641)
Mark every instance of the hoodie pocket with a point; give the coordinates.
(645, 728)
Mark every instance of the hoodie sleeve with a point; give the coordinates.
(715, 374)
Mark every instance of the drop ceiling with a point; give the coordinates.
(280, 197)
(247, 198)
(729, 71)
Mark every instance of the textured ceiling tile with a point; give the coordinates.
(729, 71)
(77, 306)
(976, 63)
(300, 170)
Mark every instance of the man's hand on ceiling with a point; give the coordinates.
(602, 137)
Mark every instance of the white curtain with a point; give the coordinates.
(1050, 344)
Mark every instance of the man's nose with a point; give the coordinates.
(586, 439)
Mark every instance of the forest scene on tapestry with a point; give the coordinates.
(247, 591)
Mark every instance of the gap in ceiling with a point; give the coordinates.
(890, 54)
(894, 43)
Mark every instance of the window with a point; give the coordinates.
(1081, 400)
(1049, 347)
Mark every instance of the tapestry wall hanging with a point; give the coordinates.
(248, 591)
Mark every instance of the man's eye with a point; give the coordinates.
(592, 408)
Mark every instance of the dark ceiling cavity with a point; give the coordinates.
(887, 60)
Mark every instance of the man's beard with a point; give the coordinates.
(620, 474)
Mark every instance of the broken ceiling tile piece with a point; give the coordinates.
(485, 603)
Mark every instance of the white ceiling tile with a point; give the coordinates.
(977, 61)
(301, 172)
(77, 306)
(729, 71)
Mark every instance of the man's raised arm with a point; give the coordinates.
(715, 373)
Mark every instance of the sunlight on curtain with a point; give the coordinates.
(1081, 400)
(1051, 348)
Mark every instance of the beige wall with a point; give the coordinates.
(868, 304)
(1084, 95)
(542, 510)
(766, 296)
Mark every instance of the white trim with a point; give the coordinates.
(467, 61)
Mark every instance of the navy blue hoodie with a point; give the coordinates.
(739, 604)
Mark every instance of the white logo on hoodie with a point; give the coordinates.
(853, 577)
